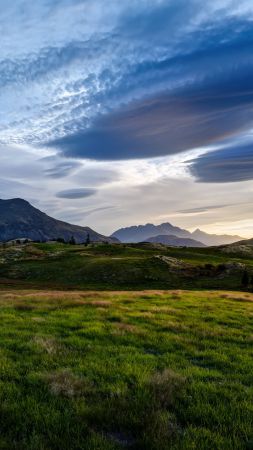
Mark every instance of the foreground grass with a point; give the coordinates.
(142, 370)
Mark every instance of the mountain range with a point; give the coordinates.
(19, 219)
(142, 233)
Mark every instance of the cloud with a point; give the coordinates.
(192, 99)
(202, 209)
(81, 63)
(227, 165)
(80, 214)
(166, 124)
(76, 193)
(95, 175)
(59, 168)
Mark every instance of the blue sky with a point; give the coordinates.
(116, 113)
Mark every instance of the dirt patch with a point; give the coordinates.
(125, 327)
(49, 344)
(104, 303)
(65, 383)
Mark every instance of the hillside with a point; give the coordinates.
(241, 248)
(144, 232)
(121, 266)
(19, 219)
(175, 241)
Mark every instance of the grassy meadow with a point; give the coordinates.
(152, 370)
(121, 266)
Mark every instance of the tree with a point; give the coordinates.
(72, 241)
(87, 242)
(245, 279)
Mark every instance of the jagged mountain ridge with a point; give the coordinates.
(19, 219)
(143, 232)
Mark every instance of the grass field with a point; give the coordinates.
(126, 267)
(150, 370)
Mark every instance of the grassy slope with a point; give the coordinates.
(111, 267)
(144, 370)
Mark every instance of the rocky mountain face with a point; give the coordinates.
(19, 219)
(174, 241)
(144, 232)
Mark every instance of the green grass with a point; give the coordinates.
(110, 267)
(111, 370)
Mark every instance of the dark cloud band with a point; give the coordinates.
(76, 193)
(231, 164)
(194, 117)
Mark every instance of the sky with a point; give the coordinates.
(116, 113)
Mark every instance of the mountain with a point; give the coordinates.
(143, 232)
(19, 219)
(174, 241)
(214, 239)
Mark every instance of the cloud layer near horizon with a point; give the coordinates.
(112, 82)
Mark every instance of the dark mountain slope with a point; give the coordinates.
(19, 219)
